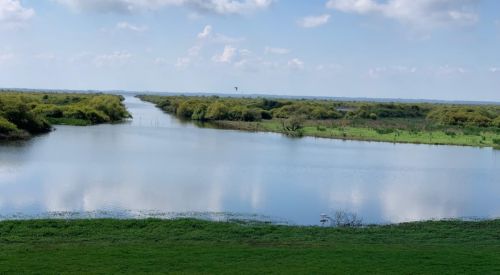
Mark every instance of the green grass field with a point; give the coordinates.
(194, 246)
(437, 136)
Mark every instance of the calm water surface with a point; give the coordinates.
(156, 165)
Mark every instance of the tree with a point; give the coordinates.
(292, 126)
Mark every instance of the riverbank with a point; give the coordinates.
(465, 125)
(314, 129)
(23, 115)
(194, 246)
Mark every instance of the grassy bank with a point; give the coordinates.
(193, 246)
(470, 125)
(25, 114)
(331, 130)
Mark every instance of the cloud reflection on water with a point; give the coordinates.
(157, 163)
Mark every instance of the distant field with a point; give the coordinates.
(470, 125)
(25, 114)
(193, 246)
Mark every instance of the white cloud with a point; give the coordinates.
(206, 36)
(495, 70)
(160, 61)
(46, 56)
(80, 57)
(13, 14)
(314, 21)
(329, 67)
(6, 56)
(131, 27)
(271, 50)
(206, 33)
(183, 62)
(222, 7)
(192, 53)
(418, 13)
(226, 56)
(117, 57)
(450, 70)
(378, 72)
(295, 64)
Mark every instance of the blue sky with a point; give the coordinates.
(434, 49)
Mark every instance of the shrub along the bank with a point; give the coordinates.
(464, 116)
(31, 112)
(255, 109)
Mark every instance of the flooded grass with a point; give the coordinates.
(148, 214)
(197, 246)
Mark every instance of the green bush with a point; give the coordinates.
(496, 122)
(33, 111)
(293, 123)
(265, 114)
(389, 110)
(185, 110)
(251, 115)
(461, 116)
(199, 112)
(384, 131)
(7, 127)
(217, 111)
(19, 113)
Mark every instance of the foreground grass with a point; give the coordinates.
(193, 246)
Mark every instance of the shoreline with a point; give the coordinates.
(229, 125)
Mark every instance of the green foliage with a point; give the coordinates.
(384, 131)
(268, 104)
(18, 111)
(496, 122)
(463, 116)
(474, 125)
(185, 110)
(217, 111)
(293, 125)
(199, 112)
(108, 108)
(390, 110)
(7, 127)
(34, 112)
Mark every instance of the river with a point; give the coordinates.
(155, 165)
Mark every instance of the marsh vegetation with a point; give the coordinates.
(475, 125)
(26, 114)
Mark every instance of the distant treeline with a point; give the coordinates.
(215, 108)
(24, 114)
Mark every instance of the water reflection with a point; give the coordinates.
(154, 162)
